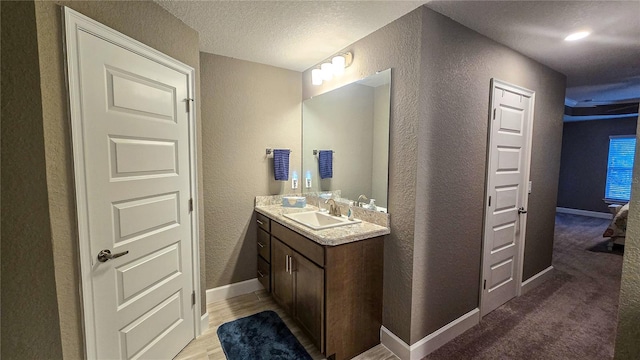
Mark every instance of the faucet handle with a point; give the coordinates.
(334, 209)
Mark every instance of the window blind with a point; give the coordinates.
(620, 167)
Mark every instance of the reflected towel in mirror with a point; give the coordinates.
(325, 163)
(281, 164)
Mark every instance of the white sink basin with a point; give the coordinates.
(318, 221)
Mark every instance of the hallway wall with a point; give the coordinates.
(585, 154)
(441, 74)
(457, 67)
(627, 344)
(44, 184)
(29, 299)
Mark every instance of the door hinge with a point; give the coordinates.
(190, 205)
(484, 287)
(188, 101)
(193, 298)
(489, 200)
(494, 114)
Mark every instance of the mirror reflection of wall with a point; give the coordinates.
(353, 121)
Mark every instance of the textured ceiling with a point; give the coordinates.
(603, 67)
(293, 35)
(297, 35)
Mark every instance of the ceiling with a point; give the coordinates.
(294, 35)
(602, 68)
(297, 35)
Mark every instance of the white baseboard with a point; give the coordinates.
(431, 342)
(398, 347)
(536, 280)
(595, 214)
(233, 290)
(204, 322)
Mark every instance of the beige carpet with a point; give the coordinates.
(571, 316)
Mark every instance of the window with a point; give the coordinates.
(620, 167)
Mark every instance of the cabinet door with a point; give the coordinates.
(309, 298)
(282, 280)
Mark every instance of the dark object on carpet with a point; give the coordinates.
(603, 246)
(260, 336)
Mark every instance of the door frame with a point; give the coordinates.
(525, 194)
(74, 22)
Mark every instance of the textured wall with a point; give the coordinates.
(440, 100)
(458, 65)
(627, 344)
(29, 310)
(380, 176)
(340, 120)
(144, 21)
(247, 108)
(395, 46)
(583, 169)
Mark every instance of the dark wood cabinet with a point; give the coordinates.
(298, 286)
(283, 286)
(334, 292)
(264, 245)
(309, 295)
(264, 250)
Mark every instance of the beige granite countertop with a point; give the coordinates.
(332, 236)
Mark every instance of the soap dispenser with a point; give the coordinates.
(372, 205)
(350, 213)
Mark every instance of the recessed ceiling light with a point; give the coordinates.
(577, 36)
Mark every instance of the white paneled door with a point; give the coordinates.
(131, 133)
(507, 182)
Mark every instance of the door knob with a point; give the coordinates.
(522, 211)
(105, 255)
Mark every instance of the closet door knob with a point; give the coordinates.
(522, 211)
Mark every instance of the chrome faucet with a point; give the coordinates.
(334, 209)
(360, 199)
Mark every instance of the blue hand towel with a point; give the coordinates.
(281, 164)
(325, 162)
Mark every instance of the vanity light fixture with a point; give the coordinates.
(316, 77)
(577, 36)
(338, 64)
(329, 69)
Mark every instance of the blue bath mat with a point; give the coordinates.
(262, 336)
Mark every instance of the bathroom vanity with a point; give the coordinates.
(329, 280)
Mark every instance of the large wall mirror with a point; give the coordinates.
(353, 122)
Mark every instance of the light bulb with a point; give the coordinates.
(327, 72)
(316, 77)
(577, 36)
(338, 63)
